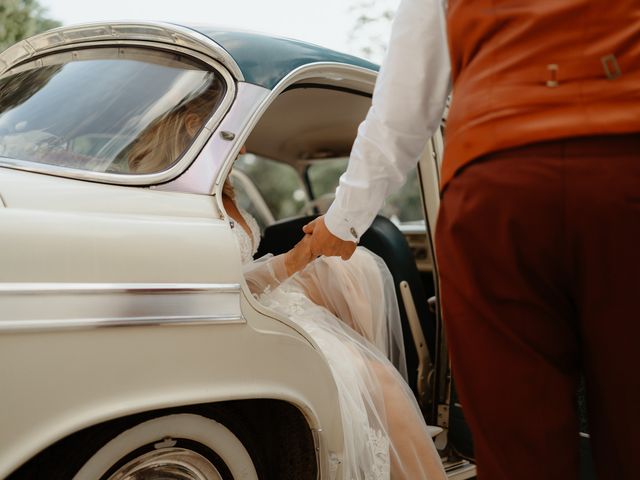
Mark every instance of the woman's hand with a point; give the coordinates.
(299, 256)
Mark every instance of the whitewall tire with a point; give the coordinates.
(182, 446)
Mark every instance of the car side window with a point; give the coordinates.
(107, 110)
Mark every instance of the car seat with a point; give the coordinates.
(387, 241)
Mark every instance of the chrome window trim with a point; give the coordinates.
(332, 72)
(118, 33)
(139, 179)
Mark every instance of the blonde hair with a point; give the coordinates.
(228, 190)
(162, 143)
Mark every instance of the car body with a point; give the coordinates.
(128, 338)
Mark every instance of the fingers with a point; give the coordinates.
(306, 242)
(309, 227)
(323, 242)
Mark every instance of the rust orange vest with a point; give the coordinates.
(527, 71)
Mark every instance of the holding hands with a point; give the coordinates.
(299, 256)
(323, 242)
(318, 240)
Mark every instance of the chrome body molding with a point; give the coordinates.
(51, 306)
(42, 288)
(150, 178)
(173, 37)
(44, 325)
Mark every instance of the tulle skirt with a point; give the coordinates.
(350, 310)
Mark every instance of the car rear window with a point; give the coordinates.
(109, 110)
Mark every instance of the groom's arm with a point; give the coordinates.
(407, 106)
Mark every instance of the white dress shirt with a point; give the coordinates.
(407, 106)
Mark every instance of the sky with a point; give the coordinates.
(323, 22)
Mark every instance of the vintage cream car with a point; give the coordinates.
(129, 344)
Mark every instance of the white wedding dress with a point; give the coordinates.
(350, 310)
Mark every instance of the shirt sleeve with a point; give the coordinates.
(407, 106)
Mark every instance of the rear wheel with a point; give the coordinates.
(177, 447)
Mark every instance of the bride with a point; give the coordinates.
(350, 310)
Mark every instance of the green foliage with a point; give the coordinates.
(405, 205)
(370, 33)
(20, 19)
(278, 183)
(325, 174)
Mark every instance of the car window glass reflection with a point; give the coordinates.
(103, 110)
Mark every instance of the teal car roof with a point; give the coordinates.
(265, 60)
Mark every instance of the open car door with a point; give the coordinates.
(445, 408)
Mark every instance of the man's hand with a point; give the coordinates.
(323, 242)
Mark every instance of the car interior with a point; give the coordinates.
(307, 124)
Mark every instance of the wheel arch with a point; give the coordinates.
(276, 433)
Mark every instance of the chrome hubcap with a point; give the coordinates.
(168, 464)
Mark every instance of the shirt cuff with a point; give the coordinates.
(340, 224)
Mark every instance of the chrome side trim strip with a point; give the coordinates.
(54, 306)
(17, 326)
(146, 288)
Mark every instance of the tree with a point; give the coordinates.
(369, 38)
(20, 19)
(370, 33)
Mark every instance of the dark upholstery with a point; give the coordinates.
(384, 239)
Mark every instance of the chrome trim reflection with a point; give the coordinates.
(79, 288)
(151, 178)
(55, 306)
(44, 325)
(168, 463)
(170, 35)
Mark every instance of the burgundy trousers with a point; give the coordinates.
(538, 250)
